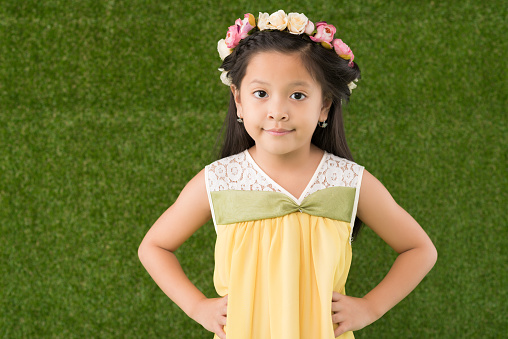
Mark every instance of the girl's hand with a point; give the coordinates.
(211, 314)
(350, 313)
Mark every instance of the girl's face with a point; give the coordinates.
(280, 103)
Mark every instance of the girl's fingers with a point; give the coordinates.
(222, 321)
(220, 333)
(224, 308)
(337, 332)
(336, 307)
(340, 330)
(336, 296)
(338, 318)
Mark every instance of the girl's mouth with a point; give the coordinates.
(278, 131)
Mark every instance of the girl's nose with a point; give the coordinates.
(278, 111)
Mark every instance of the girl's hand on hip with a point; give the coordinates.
(211, 314)
(350, 313)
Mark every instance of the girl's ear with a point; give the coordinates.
(325, 109)
(238, 103)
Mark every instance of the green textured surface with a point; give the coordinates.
(108, 108)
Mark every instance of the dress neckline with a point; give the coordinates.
(282, 189)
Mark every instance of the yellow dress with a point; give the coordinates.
(277, 257)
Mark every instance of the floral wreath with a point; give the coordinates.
(294, 23)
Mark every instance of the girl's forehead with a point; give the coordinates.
(272, 66)
(276, 58)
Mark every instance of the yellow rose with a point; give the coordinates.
(297, 23)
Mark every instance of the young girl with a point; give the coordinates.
(285, 196)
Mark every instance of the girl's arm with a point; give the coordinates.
(417, 255)
(156, 252)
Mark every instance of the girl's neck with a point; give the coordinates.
(293, 172)
(300, 160)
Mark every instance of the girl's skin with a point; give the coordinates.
(281, 103)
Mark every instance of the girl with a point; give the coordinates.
(285, 195)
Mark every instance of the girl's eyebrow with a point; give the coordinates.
(295, 83)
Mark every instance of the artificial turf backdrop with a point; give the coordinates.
(107, 109)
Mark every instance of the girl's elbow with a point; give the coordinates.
(142, 251)
(435, 253)
(431, 255)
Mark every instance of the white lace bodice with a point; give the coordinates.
(240, 172)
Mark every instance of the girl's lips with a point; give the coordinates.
(278, 132)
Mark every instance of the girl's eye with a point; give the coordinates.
(260, 94)
(298, 96)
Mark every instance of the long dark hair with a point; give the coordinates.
(327, 68)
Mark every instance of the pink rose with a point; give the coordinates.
(343, 51)
(233, 36)
(324, 33)
(246, 25)
(240, 30)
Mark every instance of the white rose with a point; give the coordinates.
(224, 51)
(263, 21)
(352, 85)
(278, 20)
(297, 23)
(224, 77)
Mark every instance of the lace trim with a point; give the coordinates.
(335, 172)
(237, 173)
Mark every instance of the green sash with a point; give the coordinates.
(233, 206)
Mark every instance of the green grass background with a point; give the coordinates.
(107, 109)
